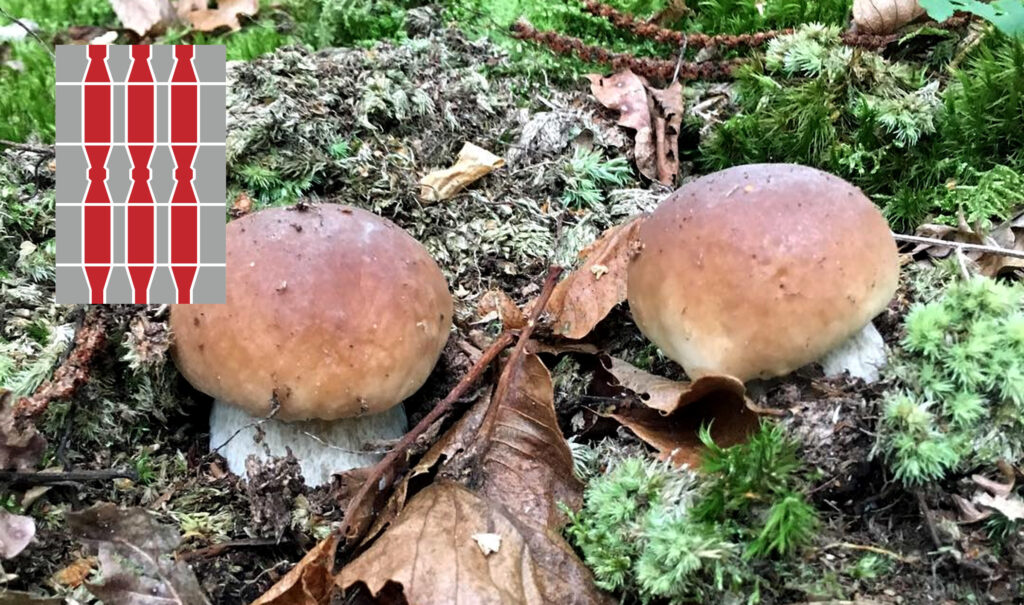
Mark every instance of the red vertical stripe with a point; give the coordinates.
(140, 223)
(96, 103)
(184, 211)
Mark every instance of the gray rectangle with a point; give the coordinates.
(71, 62)
(117, 236)
(68, 114)
(163, 234)
(212, 113)
(212, 234)
(163, 116)
(69, 225)
(118, 99)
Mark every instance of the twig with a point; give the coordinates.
(29, 30)
(910, 560)
(43, 149)
(348, 526)
(216, 549)
(382, 475)
(49, 478)
(929, 520)
(963, 246)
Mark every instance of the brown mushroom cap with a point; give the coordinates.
(335, 310)
(757, 270)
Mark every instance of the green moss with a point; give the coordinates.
(960, 396)
(660, 533)
(54, 15)
(27, 96)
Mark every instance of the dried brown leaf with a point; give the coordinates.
(665, 395)
(1011, 507)
(144, 16)
(310, 582)
(884, 16)
(521, 468)
(21, 445)
(225, 15)
(136, 555)
(655, 114)
(473, 164)
(76, 573)
(674, 412)
(994, 487)
(1008, 235)
(184, 7)
(503, 308)
(588, 294)
(16, 532)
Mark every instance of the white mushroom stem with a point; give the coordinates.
(322, 447)
(862, 355)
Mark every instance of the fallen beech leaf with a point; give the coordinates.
(884, 16)
(521, 468)
(225, 15)
(21, 447)
(184, 7)
(310, 582)
(144, 16)
(584, 298)
(665, 395)
(136, 555)
(16, 532)
(1011, 507)
(73, 575)
(497, 302)
(473, 163)
(1009, 235)
(656, 116)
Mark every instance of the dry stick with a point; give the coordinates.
(48, 478)
(970, 247)
(503, 341)
(378, 471)
(43, 149)
(876, 550)
(216, 549)
(29, 30)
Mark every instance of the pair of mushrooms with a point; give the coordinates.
(335, 315)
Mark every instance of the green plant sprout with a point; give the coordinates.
(587, 173)
(959, 400)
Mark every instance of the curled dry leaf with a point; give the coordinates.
(310, 582)
(473, 163)
(1011, 507)
(16, 532)
(665, 395)
(225, 15)
(585, 297)
(144, 16)
(656, 116)
(136, 555)
(674, 412)
(884, 16)
(521, 468)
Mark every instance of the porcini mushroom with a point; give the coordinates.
(757, 270)
(334, 316)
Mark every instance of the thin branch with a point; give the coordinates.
(51, 478)
(43, 149)
(910, 560)
(962, 246)
(29, 30)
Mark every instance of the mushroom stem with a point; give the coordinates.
(322, 447)
(862, 355)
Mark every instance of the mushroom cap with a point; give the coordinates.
(757, 270)
(335, 311)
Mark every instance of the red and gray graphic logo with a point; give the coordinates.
(140, 174)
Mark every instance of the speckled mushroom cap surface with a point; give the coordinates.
(335, 310)
(756, 270)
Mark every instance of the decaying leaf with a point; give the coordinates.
(310, 582)
(224, 16)
(184, 7)
(136, 555)
(655, 115)
(585, 296)
(665, 395)
(1011, 507)
(144, 16)
(521, 468)
(673, 412)
(21, 445)
(76, 573)
(1008, 235)
(16, 532)
(503, 309)
(884, 16)
(473, 163)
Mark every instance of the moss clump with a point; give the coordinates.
(657, 532)
(960, 374)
